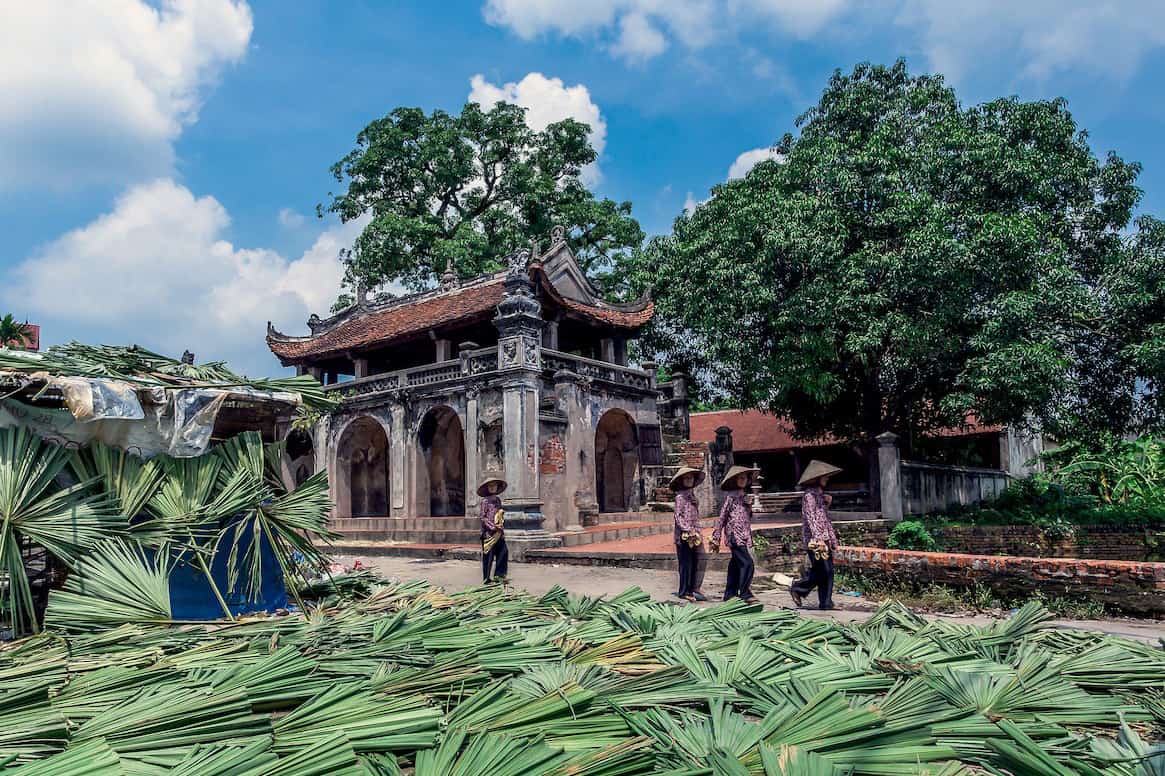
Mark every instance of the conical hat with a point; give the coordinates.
(673, 483)
(815, 470)
(733, 473)
(482, 488)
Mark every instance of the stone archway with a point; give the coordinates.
(362, 470)
(616, 461)
(301, 458)
(441, 464)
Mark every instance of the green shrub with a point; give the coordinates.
(911, 535)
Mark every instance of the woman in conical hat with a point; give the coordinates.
(818, 539)
(494, 553)
(735, 526)
(689, 543)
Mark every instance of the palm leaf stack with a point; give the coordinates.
(407, 679)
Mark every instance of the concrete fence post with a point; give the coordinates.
(890, 476)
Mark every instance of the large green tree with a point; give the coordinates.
(907, 262)
(469, 189)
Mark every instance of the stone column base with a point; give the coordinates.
(521, 541)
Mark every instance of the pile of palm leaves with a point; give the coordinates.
(409, 679)
(117, 526)
(142, 367)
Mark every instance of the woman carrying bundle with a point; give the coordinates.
(736, 526)
(818, 538)
(494, 553)
(688, 539)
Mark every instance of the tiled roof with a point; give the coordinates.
(757, 432)
(397, 322)
(410, 318)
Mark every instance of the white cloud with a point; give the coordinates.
(157, 270)
(546, 101)
(749, 159)
(638, 38)
(98, 92)
(690, 203)
(291, 219)
(640, 29)
(1036, 38)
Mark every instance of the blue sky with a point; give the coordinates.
(160, 162)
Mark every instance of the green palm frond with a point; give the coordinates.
(34, 508)
(115, 584)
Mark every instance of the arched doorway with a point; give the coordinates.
(441, 464)
(301, 458)
(616, 461)
(362, 470)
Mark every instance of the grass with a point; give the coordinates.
(937, 597)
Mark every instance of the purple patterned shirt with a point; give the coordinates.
(489, 507)
(735, 521)
(815, 522)
(687, 513)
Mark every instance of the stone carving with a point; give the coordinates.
(509, 353)
(530, 350)
(518, 261)
(557, 235)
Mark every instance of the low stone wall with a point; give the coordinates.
(1100, 542)
(1127, 586)
(929, 487)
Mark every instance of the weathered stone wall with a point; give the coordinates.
(1087, 541)
(1127, 586)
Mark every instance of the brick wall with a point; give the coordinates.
(691, 453)
(1092, 541)
(552, 456)
(1132, 587)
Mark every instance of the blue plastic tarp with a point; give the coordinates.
(191, 597)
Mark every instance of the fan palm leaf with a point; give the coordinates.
(65, 521)
(115, 584)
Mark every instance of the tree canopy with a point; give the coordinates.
(907, 263)
(12, 332)
(469, 189)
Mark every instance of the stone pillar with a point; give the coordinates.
(519, 324)
(360, 365)
(722, 461)
(607, 350)
(1005, 450)
(316, 372)
(652, 371)
(890, 476)
(550, 335)
(463, 351)
(472, 457)
(398, 461)
(444, 350)
(578, 441)
(681, 404)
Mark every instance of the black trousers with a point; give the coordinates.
(688, 561)
(498, 557)
(701, 567)
(740, 570)
(819, 575)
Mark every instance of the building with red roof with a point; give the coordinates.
(521, 374)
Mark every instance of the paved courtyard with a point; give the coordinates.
(591, 580)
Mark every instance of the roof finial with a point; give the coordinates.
(449, 279)
(187, 357)
(557, 235)
(361, 293)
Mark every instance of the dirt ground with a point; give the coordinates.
(538, 578)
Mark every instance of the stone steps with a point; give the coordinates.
(609, 532)
(344, 524)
